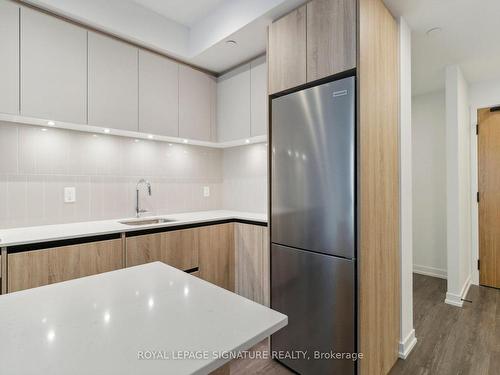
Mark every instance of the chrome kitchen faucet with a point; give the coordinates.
(138, 210)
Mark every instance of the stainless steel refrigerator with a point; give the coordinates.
(313, 226)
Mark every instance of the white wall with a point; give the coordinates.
(458, 182)
(429, 184)
(245, 178)
(481, 95)
(407, 339)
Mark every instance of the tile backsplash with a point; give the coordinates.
(245, 178)
(36, 165)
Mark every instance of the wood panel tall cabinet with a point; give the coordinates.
(378, 196)
(339, 39)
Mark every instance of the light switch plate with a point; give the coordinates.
(206, 191)
(69, 195)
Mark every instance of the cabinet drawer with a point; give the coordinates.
(35, 268)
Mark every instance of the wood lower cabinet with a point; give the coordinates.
(177, 248)
(252, 262)
(217, 255)
(35, 268)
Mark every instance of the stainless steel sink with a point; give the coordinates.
(146, 221)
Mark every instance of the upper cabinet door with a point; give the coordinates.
(233, 104)
(331, 37)
(113, 83)
(196, 98)
(9, 57)
(158, 95)
(54, 68)
(258, 97)
(287, 51)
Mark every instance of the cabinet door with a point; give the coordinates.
(196, 90)
(181, 248)
(158, 95)
(47, 266)
(287, 51)
(54, 68)
(143, 249)
(9, 61)
(331, 37)
(233, 104)
(177, 248)
(258, 97)
(113, 83)
(217, 255)
(252, 262)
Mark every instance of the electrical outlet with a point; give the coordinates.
(206, 191)
(69, 195)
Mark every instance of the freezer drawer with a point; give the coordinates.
(313, 169)
(317, 292)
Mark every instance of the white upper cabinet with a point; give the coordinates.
(242, 102)
(9, 57)
(233, 104)
(54, 68)
(158, 95)
(196, 104)
(113, 83)
(259, 99)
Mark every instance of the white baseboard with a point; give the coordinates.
(430, 271)
(455, 299)
(407, 345)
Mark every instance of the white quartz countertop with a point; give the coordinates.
(104, 324)
(44, 233)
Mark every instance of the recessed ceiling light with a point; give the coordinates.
(247, 140)
(51, 123)
(170, 144)
(44, 129)
(106, 130)
(185, 141)
(150, 136)
(231, 42)
(434, 31)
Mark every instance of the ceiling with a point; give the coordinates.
(186, 13)
(194, 31)
(469, 37)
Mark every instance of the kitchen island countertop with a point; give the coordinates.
(148, 319)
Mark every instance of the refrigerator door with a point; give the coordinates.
(313, 168)
(316, 291)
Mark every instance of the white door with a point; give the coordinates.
(158, 95)
(196, 95)
(259, 99)
(233, 104)
(9, 60)
(54, 68)
(113, 83)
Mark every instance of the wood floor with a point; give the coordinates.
(453, 340)
(450, 340)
